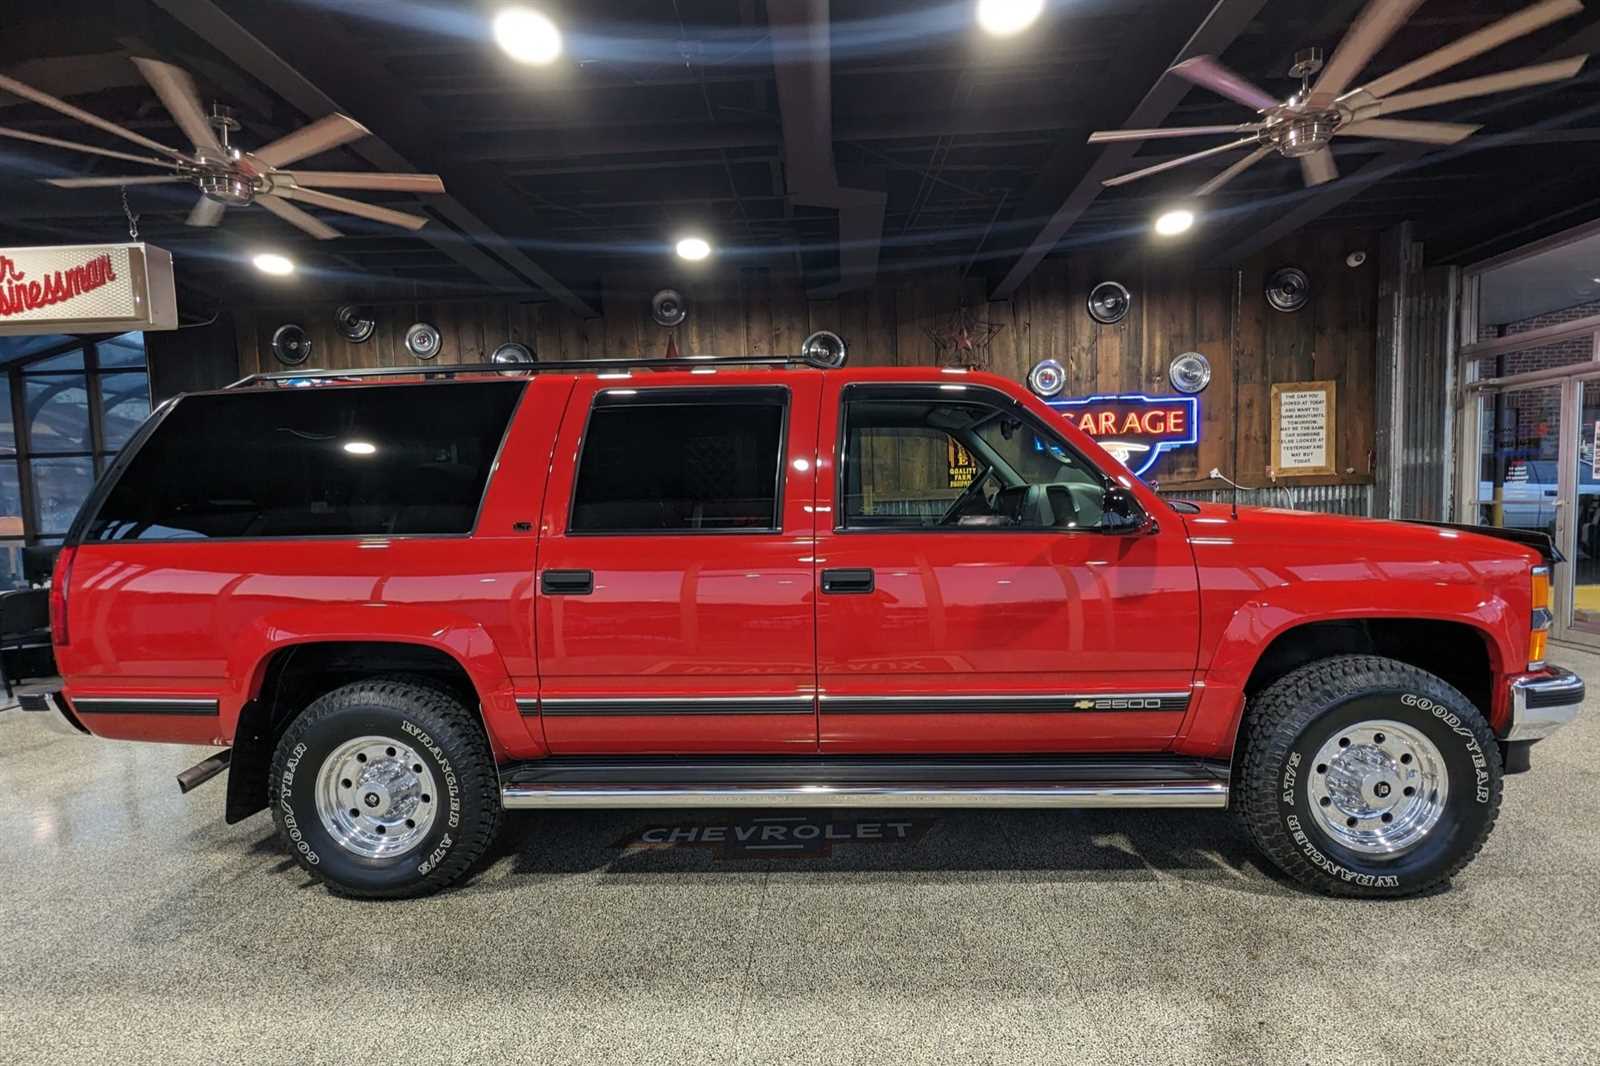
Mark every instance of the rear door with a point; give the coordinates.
(675, 609)
(967, 600)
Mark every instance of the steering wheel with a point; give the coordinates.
(975, 487)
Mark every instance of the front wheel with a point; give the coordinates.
(385, 788)
(1365, 776)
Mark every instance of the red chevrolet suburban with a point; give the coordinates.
(408, 600)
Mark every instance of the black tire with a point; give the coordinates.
(442, 733)
(1292, 719)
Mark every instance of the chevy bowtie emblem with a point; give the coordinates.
(1084, 705)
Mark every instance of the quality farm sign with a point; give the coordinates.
(86, 288)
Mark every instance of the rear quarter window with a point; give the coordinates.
(390, 460)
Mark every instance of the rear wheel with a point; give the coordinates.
(385, 788)
(1364, 776)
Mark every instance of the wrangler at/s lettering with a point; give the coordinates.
(411, 603)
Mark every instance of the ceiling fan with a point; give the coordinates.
(228, 176)
(1302, 126)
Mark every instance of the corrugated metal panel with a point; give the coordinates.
(1327, 499)
(1427, 379)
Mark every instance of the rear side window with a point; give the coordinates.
(663, 462)
(313, 462)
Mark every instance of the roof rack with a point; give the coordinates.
(554, 366)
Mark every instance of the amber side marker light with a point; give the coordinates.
(1542, 617)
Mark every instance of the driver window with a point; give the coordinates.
(935, 463)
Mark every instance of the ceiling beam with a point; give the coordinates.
(1252, 236)
(811, 177)
(1226, 21)
(513, 270)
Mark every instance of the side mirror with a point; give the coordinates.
(1121, 514)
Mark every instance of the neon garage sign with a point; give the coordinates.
(1136, 429)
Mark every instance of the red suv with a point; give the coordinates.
(409, 600)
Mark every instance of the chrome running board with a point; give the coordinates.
(567, 782)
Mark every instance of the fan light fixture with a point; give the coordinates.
(1172, 223)
(273, 263)
(527, 36)
(693, 249)
(1002, 18)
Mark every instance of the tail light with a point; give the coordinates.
(59, 580)
(1542, 617)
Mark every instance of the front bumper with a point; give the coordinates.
(1542, 703)
(44, 699)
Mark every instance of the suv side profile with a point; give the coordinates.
(407, 601)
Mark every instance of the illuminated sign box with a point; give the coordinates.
(1136, 429)
(86, 288)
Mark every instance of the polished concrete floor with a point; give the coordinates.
(140, 928)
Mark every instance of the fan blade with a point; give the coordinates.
(110, 183)
(182, 101)
(421, 184)
(1123, 179)
(1401, 130)
(1206, 71)
(1318, 167)
(206, 212)
(1234, 171)
(55, 142)
(296, 217)
(325, 133)
(1489, 83)
(1370, 31)
(27, 92)
(1112, 136)
(1473, 44)
(352, 207)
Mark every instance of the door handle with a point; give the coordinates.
(848, 582)
(566, 582)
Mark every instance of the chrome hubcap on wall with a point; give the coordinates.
(376, 797)
(1378, 787)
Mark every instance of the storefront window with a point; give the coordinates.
(81, 401)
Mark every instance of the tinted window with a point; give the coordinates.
(313, 462)
(659, 463)
(922, 463)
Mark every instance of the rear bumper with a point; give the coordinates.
(1542, 703)
(44, 699)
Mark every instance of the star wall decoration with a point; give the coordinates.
(962, 339)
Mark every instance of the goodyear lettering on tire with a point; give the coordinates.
(1453, 722)
(291, 825)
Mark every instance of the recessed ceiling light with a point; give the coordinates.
(272, 263)
(693, 248)
(527, 36)
(1006, 17)
(360, 447)
(1172, 223)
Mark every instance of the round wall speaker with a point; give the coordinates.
(291, 345)
(512, 352)
(1047, 378)
(824, 348)
(355, 324)
(1189, 372)
(423, 341)
(669, 308)
(1288, 289)
(1109, 302)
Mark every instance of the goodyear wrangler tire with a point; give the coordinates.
(1364, 776)
(385, 788)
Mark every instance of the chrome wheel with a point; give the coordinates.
(376, 797)
(1378, 787)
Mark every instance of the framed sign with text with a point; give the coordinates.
(1304, 414)
(86, 288)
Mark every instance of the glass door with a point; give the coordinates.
(1581, 584)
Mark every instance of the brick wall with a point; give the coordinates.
(1529, 419)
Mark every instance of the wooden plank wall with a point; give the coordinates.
(1179, 306)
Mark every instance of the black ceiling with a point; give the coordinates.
(666, 115)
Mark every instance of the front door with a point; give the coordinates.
(675, 609)
(967, 599)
